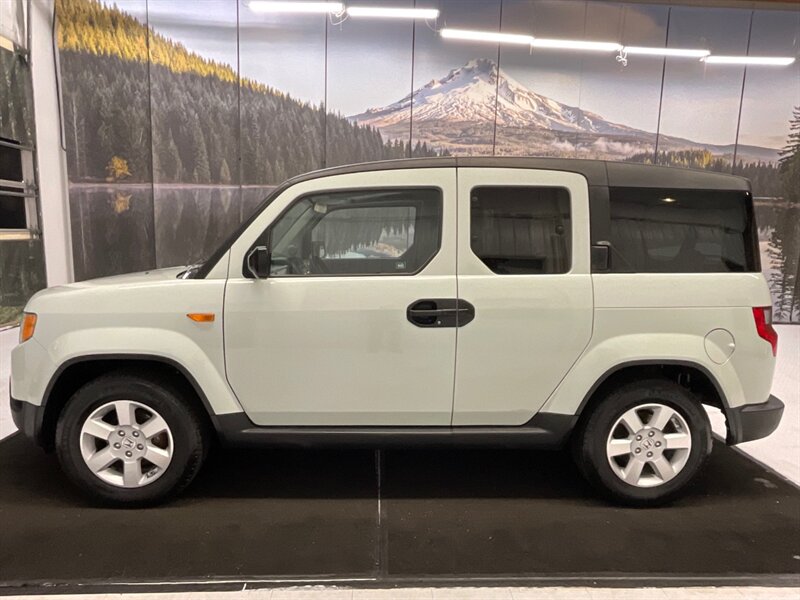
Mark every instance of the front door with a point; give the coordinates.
(523, 263)
(348, 329)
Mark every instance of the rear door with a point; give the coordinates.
(523, 263)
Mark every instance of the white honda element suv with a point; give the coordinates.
(480, 301)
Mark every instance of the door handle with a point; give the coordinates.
(440, 312)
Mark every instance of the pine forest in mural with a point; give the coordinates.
(169, 150)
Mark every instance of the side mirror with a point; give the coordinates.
(258, 262)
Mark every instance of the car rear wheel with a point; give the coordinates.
(644, 442)
(129, 440)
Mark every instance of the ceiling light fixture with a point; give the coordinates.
(750, 60)
(393, 13)
(486, 36)
(576, 45)
(679, 52)
(274, 6)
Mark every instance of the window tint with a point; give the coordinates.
(13, 211)
(521, 230)
(375, 232)
(682, 231)
(10, 163)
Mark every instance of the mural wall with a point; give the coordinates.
(178, 121)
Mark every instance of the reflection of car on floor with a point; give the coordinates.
(517, 302)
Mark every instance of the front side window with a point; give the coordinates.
(360, 232)
(682, 231)
(521, 230)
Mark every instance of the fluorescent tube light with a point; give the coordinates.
(274, 6)
(682, 52)
(576, 45)
(750, 60)
(393, 13)
(486, 36)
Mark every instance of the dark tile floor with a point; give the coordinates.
(442, 512)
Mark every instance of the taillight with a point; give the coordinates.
(763, 318)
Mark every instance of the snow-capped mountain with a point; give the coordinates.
(457, 113)
(468, 94)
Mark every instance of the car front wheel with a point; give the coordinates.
(130, 440)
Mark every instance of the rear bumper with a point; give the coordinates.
(753, 421)
(27, 417)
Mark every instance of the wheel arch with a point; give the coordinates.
(689, 374)
(76, 372)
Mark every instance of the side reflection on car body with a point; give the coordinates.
(516, 302)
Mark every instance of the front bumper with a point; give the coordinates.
(28, 418)
(753, 421)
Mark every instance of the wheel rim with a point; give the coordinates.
(649, 445)
(126, 444)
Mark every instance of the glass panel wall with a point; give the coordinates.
(22, 270)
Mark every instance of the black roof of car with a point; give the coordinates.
(596, 172)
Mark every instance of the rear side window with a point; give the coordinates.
(682, 231)
(521, 230)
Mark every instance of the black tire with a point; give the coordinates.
(190, 439)
(589, 442)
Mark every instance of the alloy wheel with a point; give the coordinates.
(126, 444)
(649, 445)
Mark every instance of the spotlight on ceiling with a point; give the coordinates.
(275, 6)
(576, 45)
(393, 13)
(780, 61)
(486, 36)
(678, 52)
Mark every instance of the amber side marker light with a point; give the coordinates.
(27, 327)
(201, 317)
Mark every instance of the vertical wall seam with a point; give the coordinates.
(325, 100)
(580, 78)
(240, 168)
(150, 119)
(741, 94)
(661, 94)
(411, 96)
(497, 83)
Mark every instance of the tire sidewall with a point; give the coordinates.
(185, 439)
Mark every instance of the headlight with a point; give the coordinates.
(27, 327)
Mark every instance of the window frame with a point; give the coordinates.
(570, 246)
(25, 191)
(265, 239)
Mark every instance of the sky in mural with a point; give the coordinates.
(369, 60)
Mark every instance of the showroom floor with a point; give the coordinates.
(403, 517)
(498, 593)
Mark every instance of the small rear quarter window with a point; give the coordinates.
(682, 231)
